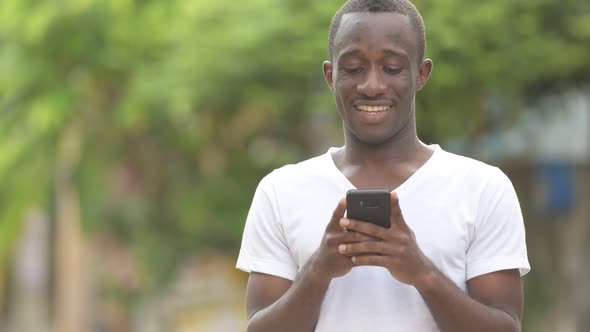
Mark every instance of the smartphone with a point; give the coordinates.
(370, 205)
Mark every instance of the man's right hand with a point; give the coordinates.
(300, 308)
(327, 261)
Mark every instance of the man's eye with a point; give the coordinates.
(353, 70)
(392, 70)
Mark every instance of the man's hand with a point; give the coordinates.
(393, 248)
(327, 262)
(301, 299)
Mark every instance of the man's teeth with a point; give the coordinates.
(366, 108)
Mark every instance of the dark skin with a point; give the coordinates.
(375, 65)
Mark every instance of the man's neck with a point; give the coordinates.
(381, 166)
(402, 150)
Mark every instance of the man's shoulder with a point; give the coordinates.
(472, 170)
(463, 163)
(303, 171)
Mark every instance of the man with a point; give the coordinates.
(454, 255)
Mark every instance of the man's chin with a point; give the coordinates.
(373, 139)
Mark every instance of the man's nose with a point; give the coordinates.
(372, 84)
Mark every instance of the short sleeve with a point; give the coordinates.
(499, 241)
(264, 246)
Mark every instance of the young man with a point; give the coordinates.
(455, 253)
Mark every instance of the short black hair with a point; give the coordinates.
(404, 7)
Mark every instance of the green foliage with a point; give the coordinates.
(186, 104)
(518, 50)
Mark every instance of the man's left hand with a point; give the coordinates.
(394, 248)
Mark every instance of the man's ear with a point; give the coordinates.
(424, 71)
(328, 74)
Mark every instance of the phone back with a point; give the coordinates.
(370, 205)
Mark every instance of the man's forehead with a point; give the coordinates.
(359, 22)
(355, 27)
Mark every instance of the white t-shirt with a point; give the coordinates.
(464, 213)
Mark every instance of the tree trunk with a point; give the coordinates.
(31, 276)
(574, 297)
(69, 249)
(581, 273)
(2, 293)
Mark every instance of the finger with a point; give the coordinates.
(338, 214)
(354, 237)
(397, 217)
(335, 238)
(364, 227)
(366, 247)
(372, 260)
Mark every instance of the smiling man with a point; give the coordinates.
(454, 255)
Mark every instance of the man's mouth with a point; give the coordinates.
(372, 109)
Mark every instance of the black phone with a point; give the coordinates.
(370, 205)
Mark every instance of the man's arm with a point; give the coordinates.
(277, 304)
(494, 300)
(494, 303)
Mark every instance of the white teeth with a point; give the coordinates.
(366, 108)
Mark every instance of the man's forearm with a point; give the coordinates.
(454, 310)
(297, 310)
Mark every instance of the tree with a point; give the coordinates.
(182, 106)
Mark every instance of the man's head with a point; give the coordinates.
(376, 69)
(404, 7)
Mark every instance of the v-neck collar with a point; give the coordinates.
(404, 187)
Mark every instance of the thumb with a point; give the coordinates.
(338, 214)
(397, 217)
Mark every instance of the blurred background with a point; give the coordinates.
(133, 134)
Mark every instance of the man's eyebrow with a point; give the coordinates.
(348, 53)
(386, 51)
(395, 53)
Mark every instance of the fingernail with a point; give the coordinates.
(342, 247)
(344, 222)
(353, 259)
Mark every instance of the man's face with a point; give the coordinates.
(375, 75)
